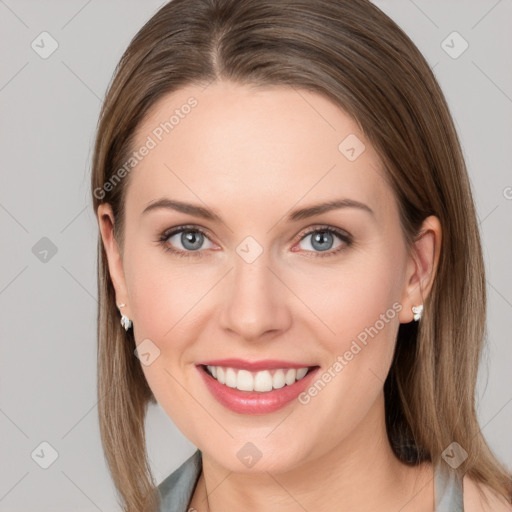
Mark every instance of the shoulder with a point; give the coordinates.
(473, 501)
(176, 490)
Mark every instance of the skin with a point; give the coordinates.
(252, 155)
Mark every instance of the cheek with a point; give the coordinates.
(162, 289)
(361, 305)
(355, 296)
(167, 298)
(164, 299)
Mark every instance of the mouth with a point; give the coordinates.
(261, 381)
(256, 392)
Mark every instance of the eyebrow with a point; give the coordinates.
(296, 215)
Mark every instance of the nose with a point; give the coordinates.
(256, 300)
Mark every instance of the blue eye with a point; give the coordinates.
(322, 240)
(192, 238)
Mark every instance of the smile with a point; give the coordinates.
(262, 381)
(256, 390)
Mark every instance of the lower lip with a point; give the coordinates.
(255, 402)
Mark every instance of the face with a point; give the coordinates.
(264, 277)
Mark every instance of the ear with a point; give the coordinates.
(421, 267)
(115, 263)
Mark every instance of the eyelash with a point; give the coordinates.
(347, 240)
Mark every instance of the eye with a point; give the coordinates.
(323, 239)
(185, 241)
(189, 240)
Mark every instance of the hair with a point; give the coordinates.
(353, 54)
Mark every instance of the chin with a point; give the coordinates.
(257, 457)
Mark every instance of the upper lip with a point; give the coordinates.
(266, 364)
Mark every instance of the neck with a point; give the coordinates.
(360, 473)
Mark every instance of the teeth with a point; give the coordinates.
(221, 377)
(244, 381)
(261, 381)
(301, 372)
(278, 380)
(230, 378)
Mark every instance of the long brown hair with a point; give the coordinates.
(350, 52)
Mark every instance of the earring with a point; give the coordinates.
(418, 312)
(125, 321)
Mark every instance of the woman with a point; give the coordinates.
(290, 265)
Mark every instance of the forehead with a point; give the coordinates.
(230, 142)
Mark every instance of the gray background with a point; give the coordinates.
(49, 110)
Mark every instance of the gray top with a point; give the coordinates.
(176, 490)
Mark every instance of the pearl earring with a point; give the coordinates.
(418, 312)
(125, 321)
